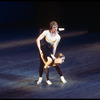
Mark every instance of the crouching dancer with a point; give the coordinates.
(50, 60)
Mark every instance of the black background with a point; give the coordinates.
(74, 15)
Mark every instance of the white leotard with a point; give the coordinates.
(51, 39)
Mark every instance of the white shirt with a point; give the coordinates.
(50, 38)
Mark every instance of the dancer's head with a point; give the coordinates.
(53, 26)
(60, 58)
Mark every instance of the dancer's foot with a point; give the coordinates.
(63, 79)
(40, 80)
(48, 82)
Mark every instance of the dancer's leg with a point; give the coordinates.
(47, 76)
(40, 71)
(60, 73)
(58, 70)
(47, 73)
(41, 68)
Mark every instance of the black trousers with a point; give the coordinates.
(47, 70)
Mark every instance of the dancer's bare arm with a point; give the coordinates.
(41, 36)
(55, 45)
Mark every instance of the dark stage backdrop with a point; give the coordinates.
(15, 11)
(38, 14)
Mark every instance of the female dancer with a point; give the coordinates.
(48, 41)
(49, 61)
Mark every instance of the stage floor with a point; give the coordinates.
(19, 64)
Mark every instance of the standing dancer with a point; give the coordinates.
(51, 40)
